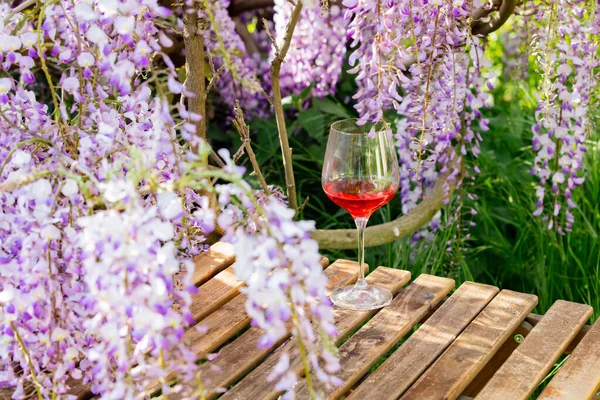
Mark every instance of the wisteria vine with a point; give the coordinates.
(566, 56)
(106, 194)
(103, 204)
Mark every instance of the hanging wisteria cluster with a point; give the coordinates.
(318, 50)
(316, 55)
(102, 206)
(566, 57)
(106, 194)
(440, 81)
(280, 264)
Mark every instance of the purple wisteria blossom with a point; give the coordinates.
(239, 69)
(377, 58)
(97, 229)
(566, 55)
(413, 61)
(318, 49)
(285, 284)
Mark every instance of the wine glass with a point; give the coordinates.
(360, 174)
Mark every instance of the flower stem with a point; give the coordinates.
(43, 60)
(303, 356)
(426, 100)
(200, 387)
(28, 359)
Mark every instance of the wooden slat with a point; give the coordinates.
(209, 263)
(534, 319)
(382, 332)
(242, 355)
(509, 347)
(466, 356)
(219, 290)
(424, 346)
(579, 377)
(518, 377)
(499, 358)
(227, 321)
(213, 294)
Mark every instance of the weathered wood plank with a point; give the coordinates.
(242, 355)
(209, 263)
(579, 377)
(213, 294)
(534, 319)
(501, 355)
(466, 356)
(424, 346)
(227, 321)
(518, 377)
(255, 385)
(382, 332)
(509, 347)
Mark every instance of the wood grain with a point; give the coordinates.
(213, 294)
(579, 377)
(466, 356)
(255, 385)
(534, 319)
(382, 332)
(424, 346)
(209, 263)
(228, 320)
(518, 377)
(6, 394)
(242, 355)
(498, 359)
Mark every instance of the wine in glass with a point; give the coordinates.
(360, 174)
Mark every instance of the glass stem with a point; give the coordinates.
(361, 224)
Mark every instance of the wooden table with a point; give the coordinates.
(429, 343)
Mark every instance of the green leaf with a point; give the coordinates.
(313, 121)
(329, 106)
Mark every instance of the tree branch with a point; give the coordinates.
(504, 12)
(247, 38)
(391, 231)
(195, 79)
(286, 151)
(244, 132)
(18, 9)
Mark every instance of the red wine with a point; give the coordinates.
(360, 198)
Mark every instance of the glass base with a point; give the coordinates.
(361, 298)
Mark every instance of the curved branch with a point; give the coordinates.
(340, 239)
(504, 12)
(18, 9)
